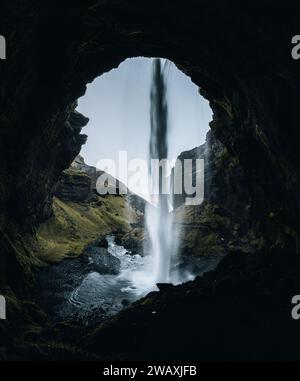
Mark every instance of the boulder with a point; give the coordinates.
(102, 261)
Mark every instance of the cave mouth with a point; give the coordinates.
(117, 104)
(240, 56)
(120, 264)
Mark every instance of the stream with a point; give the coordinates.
(99, 283)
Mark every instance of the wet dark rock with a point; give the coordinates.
(164, 286)
(135, 240)
(237, 312)
(102, 243)
(102, 261)
(137, 202)
(118, 239)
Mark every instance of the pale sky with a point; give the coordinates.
(118, 105)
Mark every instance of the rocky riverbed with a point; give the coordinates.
(102, 281)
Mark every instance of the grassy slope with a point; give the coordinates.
(74, 225)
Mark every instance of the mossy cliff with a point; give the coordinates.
(74, 225)
(227, 219)
(81, 216)
(78, 217)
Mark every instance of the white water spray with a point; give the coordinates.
(158, 217)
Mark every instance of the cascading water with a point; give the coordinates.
(104, 280)
(158, 216)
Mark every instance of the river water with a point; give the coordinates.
(99, 283)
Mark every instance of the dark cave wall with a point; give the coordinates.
(239, 55)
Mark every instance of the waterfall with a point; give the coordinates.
(158, 217)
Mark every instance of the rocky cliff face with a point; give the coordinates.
(73, 186)
(224, 180)
(222, 221)
(78, 182)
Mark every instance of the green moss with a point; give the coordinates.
(261, 137)
(211, 244)
(210, 218)
(258, 244)
(200, 229)
(74, 173)
(74, 225)
(146, 301)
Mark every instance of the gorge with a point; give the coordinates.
(239, 56)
